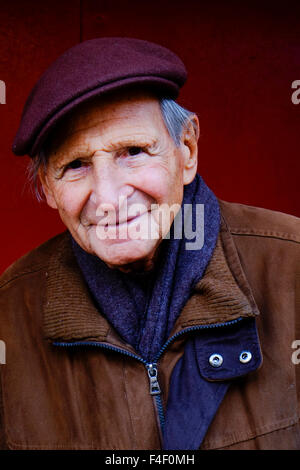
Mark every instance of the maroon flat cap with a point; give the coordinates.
(91, 69)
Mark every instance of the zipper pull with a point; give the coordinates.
(154, 385)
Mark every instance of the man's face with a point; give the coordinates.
(114, 174)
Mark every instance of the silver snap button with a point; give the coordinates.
(215, 360)
(245, 357)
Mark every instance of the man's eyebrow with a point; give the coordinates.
(77, 152)
(131, 141)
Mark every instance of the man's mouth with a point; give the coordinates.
(125, 221)
(122, 222)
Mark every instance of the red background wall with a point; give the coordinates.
(242, 58)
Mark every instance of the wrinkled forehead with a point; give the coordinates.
(131, 111)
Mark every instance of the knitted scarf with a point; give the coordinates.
(143, 307)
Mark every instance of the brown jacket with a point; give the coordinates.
(95, 398)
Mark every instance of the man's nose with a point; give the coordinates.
(109, 185)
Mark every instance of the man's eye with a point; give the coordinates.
(74, 165)
(134, 151)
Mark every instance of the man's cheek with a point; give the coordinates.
(153, 182)
(72, 201)
(68, 209)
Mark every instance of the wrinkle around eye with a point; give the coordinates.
(73, 170)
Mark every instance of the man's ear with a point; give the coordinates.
(42, 174)
(189, 143)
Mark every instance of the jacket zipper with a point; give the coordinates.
(157, 394)
(151, 367)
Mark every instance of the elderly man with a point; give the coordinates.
(163, 318)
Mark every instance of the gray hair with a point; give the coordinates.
(175, 118)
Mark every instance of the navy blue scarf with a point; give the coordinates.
(143, 308)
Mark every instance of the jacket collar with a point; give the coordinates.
(222, 295)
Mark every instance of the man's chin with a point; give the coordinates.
(127, 255)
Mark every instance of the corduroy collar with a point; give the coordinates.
(222, 295)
